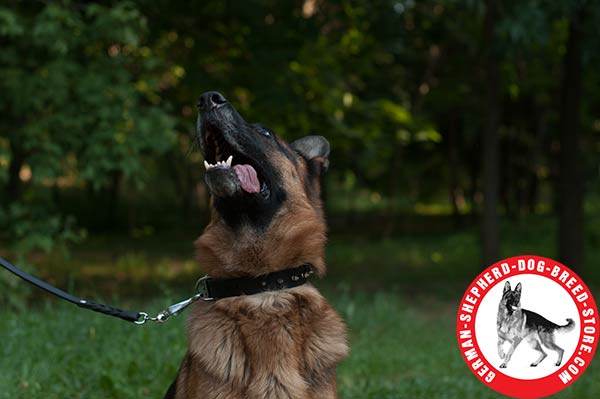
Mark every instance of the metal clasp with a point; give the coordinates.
(172, 310)
(202, 289)
(177, 308)
(143, 318)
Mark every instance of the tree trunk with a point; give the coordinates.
(533, 182)
(570, 178)
(394, 188)
(13, 186)
(508, 185)
(112, 205)
(183, 183)
(453, 172)
(489, 221)
(472, 192)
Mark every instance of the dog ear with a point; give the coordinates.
(315, 149)
(518, 289)
(506, 287)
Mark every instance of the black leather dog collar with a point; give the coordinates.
(214, 289)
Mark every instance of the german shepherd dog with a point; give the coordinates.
(516, 324)
(267, 216)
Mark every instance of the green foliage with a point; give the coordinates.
(35, 229)
(80, 94)
(396, 86)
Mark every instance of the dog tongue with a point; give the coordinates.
(248, 179)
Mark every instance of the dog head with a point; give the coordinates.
(511, 299)
(265, 195)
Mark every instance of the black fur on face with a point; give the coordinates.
(223, 133)
(512, 298)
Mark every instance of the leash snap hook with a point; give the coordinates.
(172, 310)
(177, 308)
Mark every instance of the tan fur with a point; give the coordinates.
(273, 345)
(297, 235)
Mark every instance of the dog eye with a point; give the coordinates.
(265, 132)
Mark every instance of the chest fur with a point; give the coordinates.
(511, 325)
(272, 345)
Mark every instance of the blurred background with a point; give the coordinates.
(462, 131)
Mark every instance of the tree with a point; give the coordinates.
(571, 178)
(80, 107)
(491, 167)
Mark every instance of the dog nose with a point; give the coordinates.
(210, 100)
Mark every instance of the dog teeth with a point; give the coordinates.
(221, 164)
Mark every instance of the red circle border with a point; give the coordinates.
(494, 378)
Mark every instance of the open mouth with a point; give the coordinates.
(221, 155)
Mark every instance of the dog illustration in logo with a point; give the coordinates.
(516, 324)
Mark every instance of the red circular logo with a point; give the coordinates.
(527, 327)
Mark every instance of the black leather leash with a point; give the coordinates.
(84, 303)
(208, 289)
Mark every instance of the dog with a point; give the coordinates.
(516, 324)
(267, 216)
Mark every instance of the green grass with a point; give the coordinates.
(400, 349)
(398, 295)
